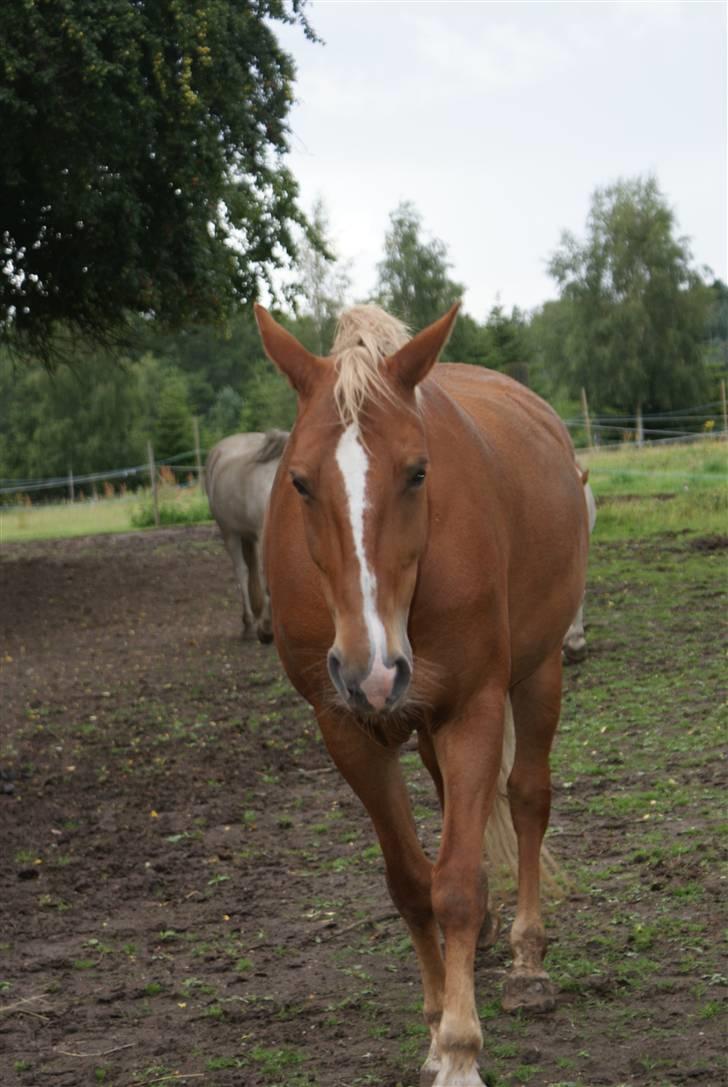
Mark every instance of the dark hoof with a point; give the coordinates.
(530, 992)
(574, 656)
(265, 637)
(427, 1077)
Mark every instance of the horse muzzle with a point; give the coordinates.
(379, 688)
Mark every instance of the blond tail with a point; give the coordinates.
(500, 843)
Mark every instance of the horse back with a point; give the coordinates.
(239, 474)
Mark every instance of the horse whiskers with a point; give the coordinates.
(317, 664)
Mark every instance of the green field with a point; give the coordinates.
(178, 505)
(643, 492)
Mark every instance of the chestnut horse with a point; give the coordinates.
(425, 552)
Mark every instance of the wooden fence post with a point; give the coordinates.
(639, 428)
(587, 420)
(725, 412)
(198, 456)
(153, 479)
(71, 491)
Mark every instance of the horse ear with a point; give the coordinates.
(414, 361)
(291, 357)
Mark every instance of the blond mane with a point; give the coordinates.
(365, 335)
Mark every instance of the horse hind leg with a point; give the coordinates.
(536, 705)
(236, 549)
(258, 590)
(574, 647)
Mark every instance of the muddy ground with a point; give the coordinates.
(189, 894)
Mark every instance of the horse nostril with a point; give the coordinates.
(343, 683)
(401, 680)
(334, 665)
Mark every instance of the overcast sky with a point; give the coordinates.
(498, 120)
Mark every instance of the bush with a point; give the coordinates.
(176, 507)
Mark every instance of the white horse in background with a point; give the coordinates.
(239, 474)
(574, 647)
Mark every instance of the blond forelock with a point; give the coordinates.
(365, 336)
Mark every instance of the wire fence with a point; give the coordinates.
(608, 433)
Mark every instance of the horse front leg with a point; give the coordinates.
(469, 751)
(374, 773)
(491, 925)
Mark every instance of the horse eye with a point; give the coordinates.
(417, 478)
(300, 486)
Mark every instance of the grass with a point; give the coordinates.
(657, 469)
(177, 505)
(56, 522)
(643, 492)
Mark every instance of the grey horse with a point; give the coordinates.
(239, 474)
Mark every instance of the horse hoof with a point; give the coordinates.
(574, 655)
(428, 1077)
(530, 992)
(265, 637)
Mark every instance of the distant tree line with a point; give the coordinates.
(635, 324)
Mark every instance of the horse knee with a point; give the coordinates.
(412, 895)
(459, 899)
(529, 799)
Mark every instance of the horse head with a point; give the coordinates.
(358, 459)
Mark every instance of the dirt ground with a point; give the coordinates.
(189, 894)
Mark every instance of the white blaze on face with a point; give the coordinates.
(351, 457)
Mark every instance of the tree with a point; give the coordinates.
(469, 342)
(509, 348)
(224, 415)
(636, 308)
(323, 284)
(90, 419)
(173, 423)
(141, 162)
(413, 282)
(716, 330)
(268, 400)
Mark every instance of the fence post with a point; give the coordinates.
(198, 457)
(639, 428)
(71, 492)
(725, 412)
(587, 420)
(153, 478)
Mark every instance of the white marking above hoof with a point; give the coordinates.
(449, 1076)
